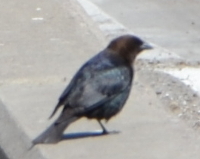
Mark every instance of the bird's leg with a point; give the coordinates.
(104, 129)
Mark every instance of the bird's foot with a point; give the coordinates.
(105, 132)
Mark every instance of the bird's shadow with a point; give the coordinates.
(78, 135)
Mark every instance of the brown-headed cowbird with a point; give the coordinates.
(99, 89)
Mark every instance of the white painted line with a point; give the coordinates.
(38, 9)
(38, 18)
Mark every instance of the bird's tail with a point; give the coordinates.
(53, 133)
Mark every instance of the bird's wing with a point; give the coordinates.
(92, 86)
(99, 88)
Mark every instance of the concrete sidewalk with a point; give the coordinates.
(42, 44)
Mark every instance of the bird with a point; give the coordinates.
(99, 89)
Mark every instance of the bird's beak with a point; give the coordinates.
(146, 46)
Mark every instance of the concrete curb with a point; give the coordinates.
(14, 141)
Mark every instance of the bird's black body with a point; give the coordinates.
(98, 85)
(98, 90)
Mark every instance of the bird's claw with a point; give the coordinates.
(105, 132)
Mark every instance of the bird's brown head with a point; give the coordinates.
(128, 47)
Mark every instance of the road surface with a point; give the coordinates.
(172, 24)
